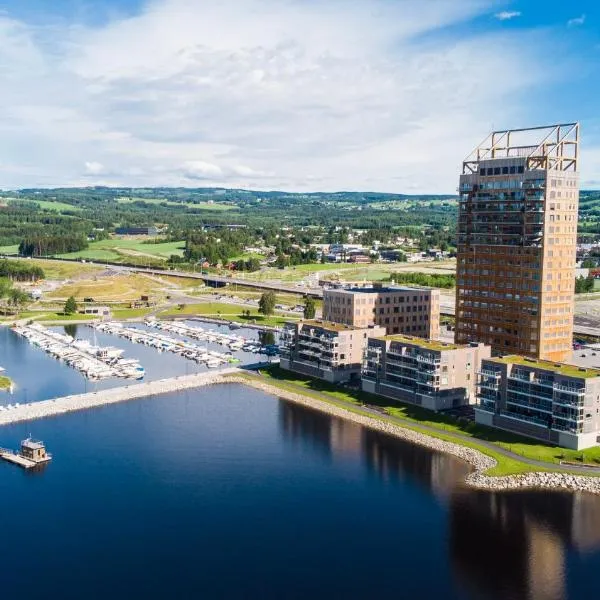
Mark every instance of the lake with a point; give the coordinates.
(226, 492)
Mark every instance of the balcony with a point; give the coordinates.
(493, 374)
(429, 360)
(529, 394)
(564, 389)
(520, 377)
(534, 407)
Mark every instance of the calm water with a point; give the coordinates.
(38, 376)
(226, 492)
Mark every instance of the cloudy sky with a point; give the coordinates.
(385, 95)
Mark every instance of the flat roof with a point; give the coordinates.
(422, 342)
(548, 365)
(330, 326)
(33, 444)
(378, 290)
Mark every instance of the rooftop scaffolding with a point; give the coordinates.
(552, 147)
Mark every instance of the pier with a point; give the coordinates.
(58, 406)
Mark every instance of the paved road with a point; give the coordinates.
(372, 411)
(584, 325)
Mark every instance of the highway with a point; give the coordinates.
(584, 325)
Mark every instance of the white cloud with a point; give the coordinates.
(249, 172)
(296, 94)
(576, 21)
(94, 168)
(506, 15)
(199, 169)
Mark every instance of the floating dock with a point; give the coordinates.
(33, 454)
(13, 457)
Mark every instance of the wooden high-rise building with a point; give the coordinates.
(517, 236)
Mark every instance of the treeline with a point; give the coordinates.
(52, 244)
(251, 265)
(296, 257)
(425, 279)
(20, 271)
(218, 246)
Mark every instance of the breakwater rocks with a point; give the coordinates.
(550, 480)
(49, 408)
(480, 462)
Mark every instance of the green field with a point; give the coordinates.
(123, 249)
(50, 205)
(198, 205)
(9, 249)
(223, 310)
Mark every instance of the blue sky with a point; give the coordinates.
(385, 95)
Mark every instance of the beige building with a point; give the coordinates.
(517, 234)
(431, 374)
(553, 402)
(414, 311)
(329, 351)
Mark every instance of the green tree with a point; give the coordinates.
(310, 308)
(17, 298)
(266, 304)
(70, 306)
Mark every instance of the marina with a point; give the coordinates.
(93, 361)
(186, 349)
(234, 342)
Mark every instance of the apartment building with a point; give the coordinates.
(413, 311)
(432, 374)
(517, 233)
(553, 402)
(329, 351)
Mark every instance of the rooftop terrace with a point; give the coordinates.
(329, 326)
(422, 342)
(560, 368)
(378, 290)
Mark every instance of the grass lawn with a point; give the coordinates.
(118, 288)
(9, 249)
(445, 424)
(222, 310)
(59, 316)
(115, 250)
(57, 269)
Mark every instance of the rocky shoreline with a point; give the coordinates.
(479, 461)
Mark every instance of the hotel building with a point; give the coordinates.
(329, 351)
(414, 311)
(553, 402)
(431, 374)
(517, 232)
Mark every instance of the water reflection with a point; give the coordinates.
(390, 458)
(71, 329)
(504, 546)
(514, 546)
